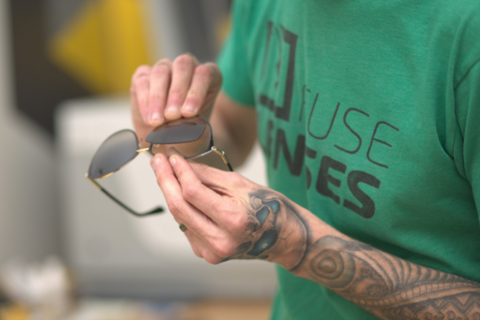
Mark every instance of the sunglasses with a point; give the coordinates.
(191, 137)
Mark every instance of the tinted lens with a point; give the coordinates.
(115, 152)
(189, 136)
(178, 131)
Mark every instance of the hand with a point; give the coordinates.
(229, 217)
(171, 90)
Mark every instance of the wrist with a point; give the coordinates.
(293, 236)
(301, 236)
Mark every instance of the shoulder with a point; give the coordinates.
(450, 32)
(461, 20)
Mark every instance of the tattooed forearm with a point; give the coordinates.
(386, 286)
(274, 226)
(389, 287)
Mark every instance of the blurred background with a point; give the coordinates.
(65, 69)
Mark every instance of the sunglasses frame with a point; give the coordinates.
(211, 148)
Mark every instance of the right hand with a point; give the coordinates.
(171, 90)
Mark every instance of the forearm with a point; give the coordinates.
(234, 128)
(384, 285)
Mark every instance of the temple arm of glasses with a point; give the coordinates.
(224, 157)
(217, 151)
(153, 211)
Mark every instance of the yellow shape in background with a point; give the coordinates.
(14, 312)
(103, 44)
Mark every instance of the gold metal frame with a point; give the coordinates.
(210, 149)
(109, 174)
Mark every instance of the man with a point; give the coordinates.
(367, 112)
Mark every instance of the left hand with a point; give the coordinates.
(229, 217)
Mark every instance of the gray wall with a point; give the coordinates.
(28, 214)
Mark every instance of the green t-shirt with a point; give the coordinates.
(369, 116)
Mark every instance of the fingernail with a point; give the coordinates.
(156, 116)
(172, 109)
(155, 163)
(189, 109)
(173, 160)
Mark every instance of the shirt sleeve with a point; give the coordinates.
(468, 116)
(233, 60)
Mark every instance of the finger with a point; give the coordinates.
(205, 84)
(195, 220)
(219, 180)
(195, 192)
(160, 77)
(141, 88)
(208, 175)
(182, 72)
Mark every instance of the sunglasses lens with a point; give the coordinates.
(178, 131)
(115, 152)
(189, 136)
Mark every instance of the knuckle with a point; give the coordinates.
(142, 70)
(161, 70)
(193, 99)
(164, 61)
(184, 61)
(157, 96)
(236, 223)
(221, 249)
(153, 98)
(236, 178)
(213, 66)
(142, 83)
(177, 95)
(204, 71)
(216, 73)
(212, 259)
(214, 204)
(189, 191)
(196, 97)
(240, 221)
(174, 207)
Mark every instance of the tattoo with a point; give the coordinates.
(386, 286)
(274, 224)
(389, 287)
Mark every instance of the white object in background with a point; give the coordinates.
(113, 252)
(43, 287)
